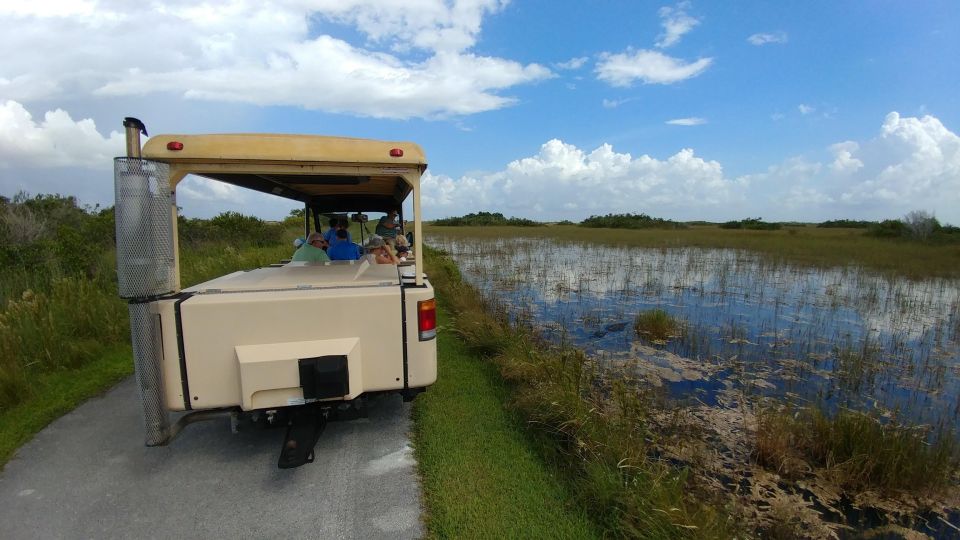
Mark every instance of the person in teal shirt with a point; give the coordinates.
(388, 227)
(312, 250)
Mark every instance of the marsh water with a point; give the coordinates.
(840, 337)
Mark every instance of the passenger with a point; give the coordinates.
(342, 248)
(387, 227)
(335, 225)
(298, 241)
(330, 233)
(403, 248)
(377, 252)
(345, 225)
(312, 250)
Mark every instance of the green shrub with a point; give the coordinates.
(888, 228)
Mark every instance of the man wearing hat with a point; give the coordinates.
(312, 250)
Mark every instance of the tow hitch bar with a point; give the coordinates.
(303, 431)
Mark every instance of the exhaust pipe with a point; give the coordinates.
(133, 127)
(145, 269)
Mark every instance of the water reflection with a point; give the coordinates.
(840, 337)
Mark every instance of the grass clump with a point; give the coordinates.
(856, 450)
(590, 427)
(656, 325)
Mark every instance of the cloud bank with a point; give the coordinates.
(913, 163)
(416, 61)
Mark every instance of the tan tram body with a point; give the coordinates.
(288, 343)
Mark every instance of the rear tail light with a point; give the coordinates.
(427, 319)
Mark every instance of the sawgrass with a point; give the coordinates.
(857, 451)
(824, 247)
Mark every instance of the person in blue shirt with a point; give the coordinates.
(342, 249)
(337, 224)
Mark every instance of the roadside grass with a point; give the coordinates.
(481, 475)
(590, 429)
(823, 247)
(57, 393)
(857, 451)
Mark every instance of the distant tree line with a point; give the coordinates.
(630, 221)
(915, 226)
(846, 224)
(753, 224)
(486, 219)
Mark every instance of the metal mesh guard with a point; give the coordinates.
(145, 258)
(147, 353)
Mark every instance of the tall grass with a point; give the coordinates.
(858, 451)
(591, 427)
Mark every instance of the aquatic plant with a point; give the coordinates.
(656, 325)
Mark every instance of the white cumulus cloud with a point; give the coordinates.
(650, 67)
(805, 109)
(416, 61)
(767, 38)
(55, 141)
(676, 22)
(843, 161)
(914, 163)
(568, 182)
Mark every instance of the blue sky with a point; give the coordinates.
(549, 110)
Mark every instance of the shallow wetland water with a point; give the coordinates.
(751, 330)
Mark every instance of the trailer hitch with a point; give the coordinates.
(303, 431)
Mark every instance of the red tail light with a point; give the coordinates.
(427, 319)
(175, 145)
(396, 152)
